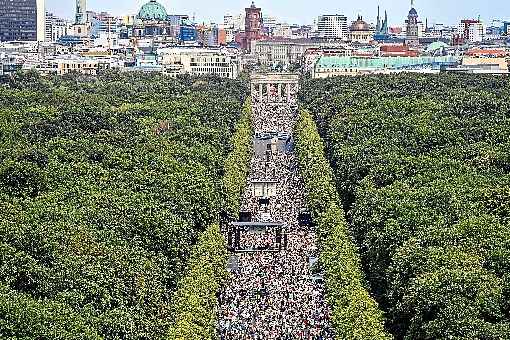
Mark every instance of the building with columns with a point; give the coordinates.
(360, 32)
(275, 87)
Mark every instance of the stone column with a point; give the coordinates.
(279, 92)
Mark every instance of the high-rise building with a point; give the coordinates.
(22, 20)
(55, 27)
(412, 27)
(253, 25)
(81, 9)
(471, 31)
(41, 19)
(332, 26)
(174, 24)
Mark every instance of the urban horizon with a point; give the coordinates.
(337, 173)
(446, 14)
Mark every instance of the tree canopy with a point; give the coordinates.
(422, 164)
(106, 184)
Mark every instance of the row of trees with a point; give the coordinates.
(195, 306)
(422, 165)
(106, 184)
(355, 314)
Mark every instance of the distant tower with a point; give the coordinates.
(385, 23)
(41, 19)
(253, 25)
(378, 27)
(382, 24)
(81, 9)
(412, 27)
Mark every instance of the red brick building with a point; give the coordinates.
(253, 26)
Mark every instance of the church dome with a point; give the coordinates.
(359, 25)
(152, 10)
(413, 13)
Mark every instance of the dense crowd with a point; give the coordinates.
(268, 117)
(273, 295)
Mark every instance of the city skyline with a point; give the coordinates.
(302, 12)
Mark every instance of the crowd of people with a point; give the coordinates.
(267, 119)
(258, 240)
(274, 295)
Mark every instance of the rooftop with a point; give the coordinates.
(381, 62)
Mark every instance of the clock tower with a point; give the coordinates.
(253, 25)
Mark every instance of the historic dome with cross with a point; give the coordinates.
(152, 10)
(360, 32)
(360, 25)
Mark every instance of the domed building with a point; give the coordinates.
(360, 32)
(152, 11)
(152, 20)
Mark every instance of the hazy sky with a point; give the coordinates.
(306, 11)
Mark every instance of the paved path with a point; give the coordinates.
(273, 295)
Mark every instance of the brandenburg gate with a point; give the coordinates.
(274, 87)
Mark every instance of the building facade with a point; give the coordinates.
(282, 52)
(55, 27)
(360, 32)
(332, 66)
(188, 33)
(332, 26)
(199, 61)
(83, 65)
(22, 20)
(471, 31)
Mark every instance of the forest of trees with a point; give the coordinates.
(112, 189)
(106, 184)
(354, 313)
(422, 164)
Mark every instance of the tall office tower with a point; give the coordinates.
(22, 20)
(253, 25)
(81, 10)
(41, 20)
(332, 26)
